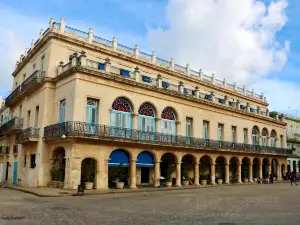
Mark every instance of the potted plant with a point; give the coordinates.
(89, 174)
(203, 180)
(169, 173)
(185, 178)
(219, 180)
(121, 180)
(255, 179)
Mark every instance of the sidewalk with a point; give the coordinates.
(56, 192)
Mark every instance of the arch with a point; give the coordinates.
(88, 172)
(255, 130)
(168, 167)
(145, 159)
(233, 168)
(58, 164)
(220, 167)
(265, 132)
(145, 167)
(245, 169)
(265, 168)
(147, 109)
(264, 137)
(119, 157)
(256, 168)
(122, 104)
(205, 167)
(187, 167)
(168, 114)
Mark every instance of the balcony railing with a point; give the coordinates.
(29, 134)
(15, 123)
(37, 77)
(87, 130)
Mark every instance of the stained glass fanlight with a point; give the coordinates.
(147, 109)
(122, 105)
(168, 114)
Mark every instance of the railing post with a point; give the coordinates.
(32, 44)
(74, 59)
(107, 65)
(226, 100)
(51, 22)
(262, 96)
(253, 93)
(237, 104)
(213, 79)
(60, 67)
(172, 64)
(197, 92)
(212, 94)
(137, 74)
(153, 57)
(224, 83)
(114, 43)
(247, 107)
(180, 87)
(83, 59)
(234, 86)
(159, 81)
(200, 74)
(62, 25)
(136, 51)
(187, 70)
(90, 36)
(267, 113)
(244, 90)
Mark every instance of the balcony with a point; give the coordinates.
(31, 83)
(107, 133)
(30, 134)
(13, 125)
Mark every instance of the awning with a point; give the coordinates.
(145, 159)
(118, 158)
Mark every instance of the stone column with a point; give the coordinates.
(62, 25)
(180, 87)
(159, 81)
(278, 175)
(83, 59)
(74, 59)
(270, 168)
(260, 169)
(239, 172)
(51, 23)
(213, 79)
(90, 36)
(132, 173)
(153, 57)
(114, 43)
(172, 64)
(137, 74)
(156, 173)
(250, 172)
(107, 65)
(213, 173)
(187, 69)
(226, 173)
(178, 173)
(224, 83)
(196, 173)
(297, 166)
(136, 51)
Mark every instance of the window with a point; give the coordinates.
(28, 118)
(32, 161)
(255, 134)
(147, 118)
(220, 132)
(36, 121)
(205, 129)
(42, 63)
(273, 138)
(25, 160)
(168, 122)
(62, 111)
(264, 137)
(233, 129)
(245, 131)
(91, 115)
(189, 127)
(121, 113)
(20, 111)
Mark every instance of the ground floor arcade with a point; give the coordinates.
(104, 165)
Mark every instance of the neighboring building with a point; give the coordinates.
(293, 142)
(95, 110)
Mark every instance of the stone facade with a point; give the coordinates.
(86, 102)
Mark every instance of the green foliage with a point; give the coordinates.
(273, 114)
(169, 171)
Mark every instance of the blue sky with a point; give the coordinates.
(264, 54)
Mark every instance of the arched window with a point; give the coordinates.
(168, 122)
(255, 135)
(264, 137)
(147, 118)
(273, 138)
(121, 114)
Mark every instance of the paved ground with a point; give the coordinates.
(245, 204)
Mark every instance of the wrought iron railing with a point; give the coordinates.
(88, 130)
(27, 134)
(37, 77)
(14, 123)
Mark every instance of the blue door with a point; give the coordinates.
(91, 112)
(121, 124)
(15, 173)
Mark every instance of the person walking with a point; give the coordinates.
(293, 178)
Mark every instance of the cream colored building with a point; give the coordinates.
(94, 110)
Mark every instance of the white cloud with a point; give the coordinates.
(233, 38)
(16, 31)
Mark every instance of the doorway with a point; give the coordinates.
(145, 173)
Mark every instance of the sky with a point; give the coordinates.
(251, 42)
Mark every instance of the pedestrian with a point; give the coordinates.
(271, 179)
(293, 178)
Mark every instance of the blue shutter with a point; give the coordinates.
(101, 66)
(124, 73)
